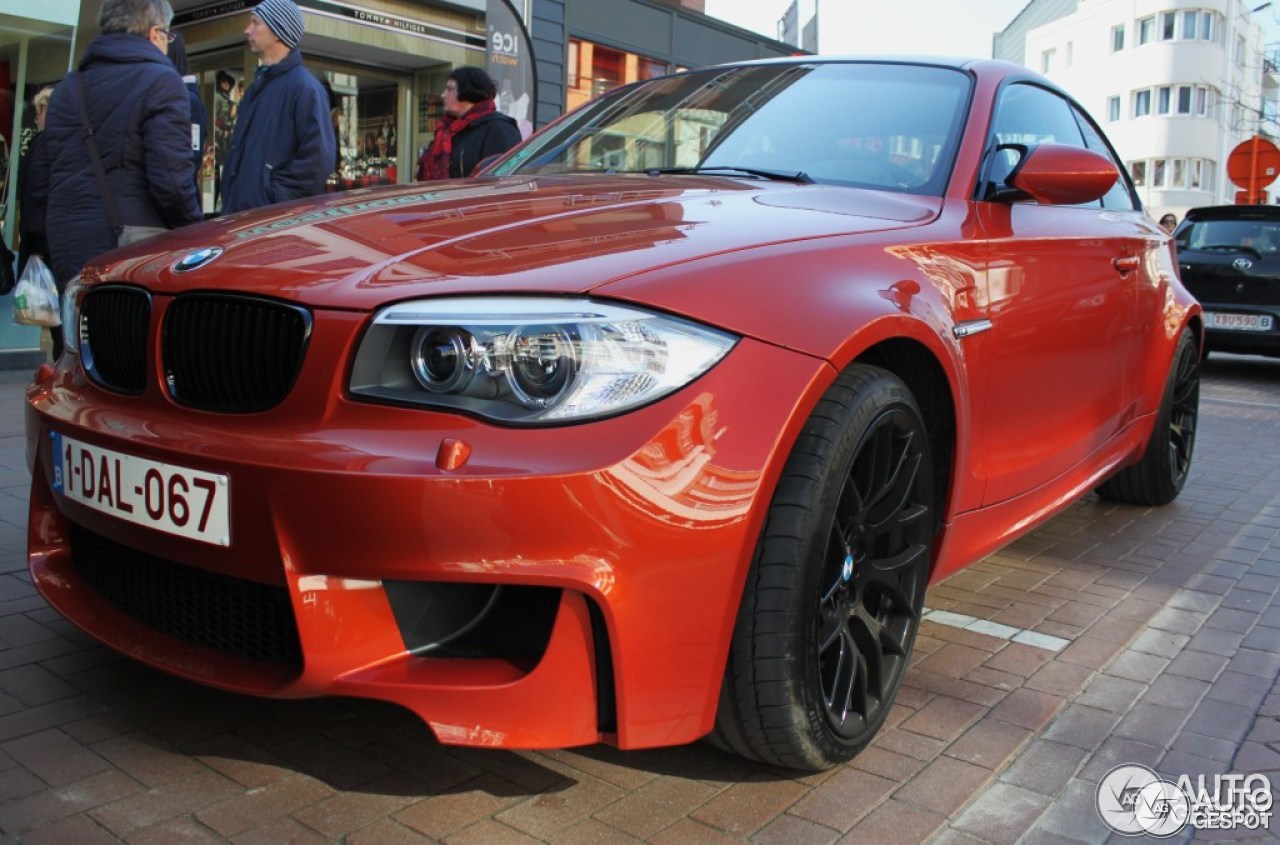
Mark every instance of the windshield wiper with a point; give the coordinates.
(776, 175)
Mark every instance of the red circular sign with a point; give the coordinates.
(1254, 163)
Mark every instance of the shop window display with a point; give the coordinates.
(366, 123)
(228, 85)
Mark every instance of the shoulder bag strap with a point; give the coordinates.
(108, 198)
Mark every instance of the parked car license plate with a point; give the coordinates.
(177, 500)
(1239, 322)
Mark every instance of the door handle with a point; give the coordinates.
(1126, 264)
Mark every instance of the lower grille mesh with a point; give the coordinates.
(230, 615)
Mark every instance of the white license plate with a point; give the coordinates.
(169, 498)
(1239, 322)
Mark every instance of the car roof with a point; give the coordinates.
(1233, 212)
(997, 66)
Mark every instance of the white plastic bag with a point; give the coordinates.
(35, 297)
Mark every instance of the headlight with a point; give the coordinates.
(530, 360)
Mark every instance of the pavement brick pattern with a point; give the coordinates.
(1111, 635)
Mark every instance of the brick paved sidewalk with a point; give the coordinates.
(1113, 634)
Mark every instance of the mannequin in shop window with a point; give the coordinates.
(471, 130)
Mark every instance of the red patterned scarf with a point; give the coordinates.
(434, 163)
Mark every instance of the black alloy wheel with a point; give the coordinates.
(1159, 476)
(834, 596)
(877, 555)
(1184, 412)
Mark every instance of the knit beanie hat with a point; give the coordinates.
(284, 18)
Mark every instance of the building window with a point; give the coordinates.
(1117, 38)
(1189, 20)
(1168, 20)
(1179, 177)
(1206, 26)
(1046, 60)
(1239, 57)
(1142, 102)
(1163, 98)
(650, 68)
(1146, 30)
(594, 69)
(1184, 99)
(1138, 170)
(574, 74)
(1202, 100)
(1157, 173)
(1113, 109)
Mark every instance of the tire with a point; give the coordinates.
(833, 599)
(1159, 476)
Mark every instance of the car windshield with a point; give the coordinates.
(1260, 236)
(879, 125)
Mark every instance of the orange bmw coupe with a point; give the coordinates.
(657, 430)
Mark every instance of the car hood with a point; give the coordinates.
(514, 235)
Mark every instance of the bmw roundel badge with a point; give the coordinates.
(199, 258)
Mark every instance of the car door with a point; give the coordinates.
(1062, 291)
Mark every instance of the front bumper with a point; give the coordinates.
(643, 526)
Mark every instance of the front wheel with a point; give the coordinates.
(833, 599)
(1158, 477)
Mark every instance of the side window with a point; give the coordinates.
(1120, 197)
(1027, 115)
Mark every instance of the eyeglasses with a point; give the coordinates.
(169, 36)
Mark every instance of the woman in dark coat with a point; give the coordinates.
(138, 108)
(471, 130)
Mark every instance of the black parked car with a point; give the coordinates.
(1230, 259)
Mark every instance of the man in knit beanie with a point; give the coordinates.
(282, 146)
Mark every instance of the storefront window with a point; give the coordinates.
(368, 135)
(46, 62)
(34, 55)
(363, 107)
(228, 87)
(608, 69)
(594, 69)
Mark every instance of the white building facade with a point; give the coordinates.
(1176, 85)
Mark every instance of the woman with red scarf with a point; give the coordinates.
(471, 130)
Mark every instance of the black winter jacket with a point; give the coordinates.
(282, 146)
(142, 127)
(490, 135)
